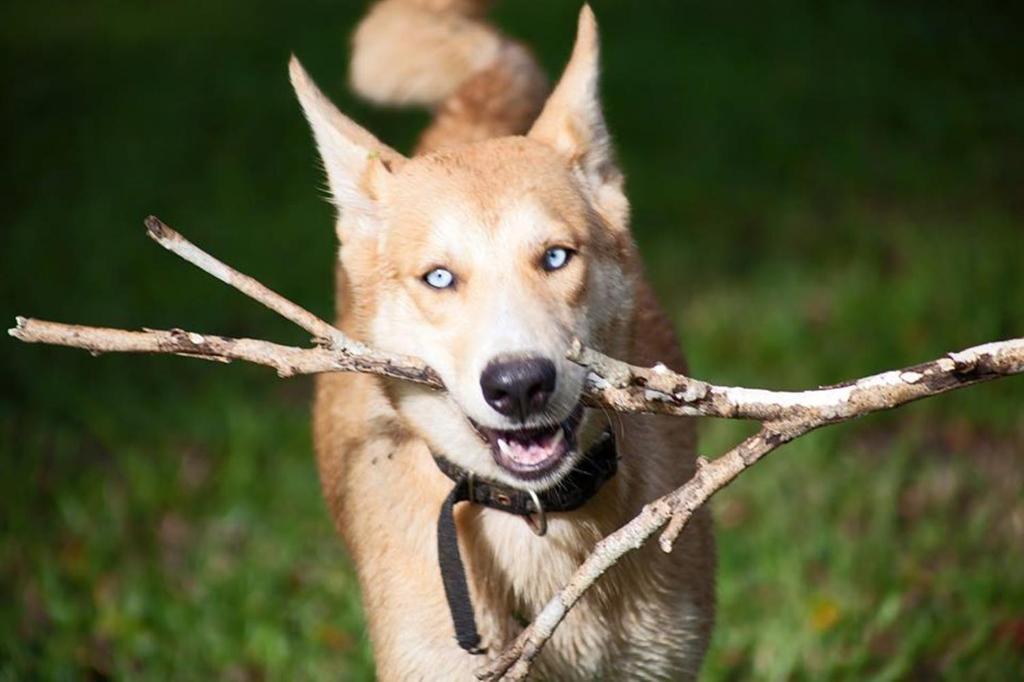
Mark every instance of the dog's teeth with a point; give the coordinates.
(504, 447)
(559, 437)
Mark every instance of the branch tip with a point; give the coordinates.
(156, 228)
(19, 326)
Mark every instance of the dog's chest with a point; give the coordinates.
(634, 624)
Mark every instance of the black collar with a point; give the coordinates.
(595, 467)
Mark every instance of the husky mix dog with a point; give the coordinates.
(504, 236)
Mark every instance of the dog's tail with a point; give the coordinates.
(445, 55)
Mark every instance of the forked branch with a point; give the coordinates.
(610, 383)
(786, 415)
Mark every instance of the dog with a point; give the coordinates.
(504, 237)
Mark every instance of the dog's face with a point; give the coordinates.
(494, 259)
(486, 261)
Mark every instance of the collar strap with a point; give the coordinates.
(597, 466)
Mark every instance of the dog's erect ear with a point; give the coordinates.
(358, 165)
(573, 124)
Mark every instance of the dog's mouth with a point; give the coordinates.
(533, 453)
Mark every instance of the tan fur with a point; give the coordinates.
(486, 210)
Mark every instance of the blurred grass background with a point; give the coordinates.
(822, 190)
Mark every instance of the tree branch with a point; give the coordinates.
(352, 356)
(514, 662)
(610, 383)
(323, 333)
(625, 388)
(793, 414)
(287, 360)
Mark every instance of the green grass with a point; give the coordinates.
(821, 191)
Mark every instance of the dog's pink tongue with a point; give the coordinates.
(533, 451)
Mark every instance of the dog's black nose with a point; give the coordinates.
(518, 387)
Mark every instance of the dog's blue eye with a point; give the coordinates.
(555, 258)
(439, 278)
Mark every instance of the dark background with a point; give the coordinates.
(821, 190)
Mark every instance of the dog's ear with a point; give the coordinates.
(573, 124)
(358, 165)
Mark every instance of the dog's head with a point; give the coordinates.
(485, 261)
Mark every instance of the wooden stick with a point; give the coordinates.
(626, 388)
(171, 240)
(799, 413)
(610, 383)
(287, 360)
